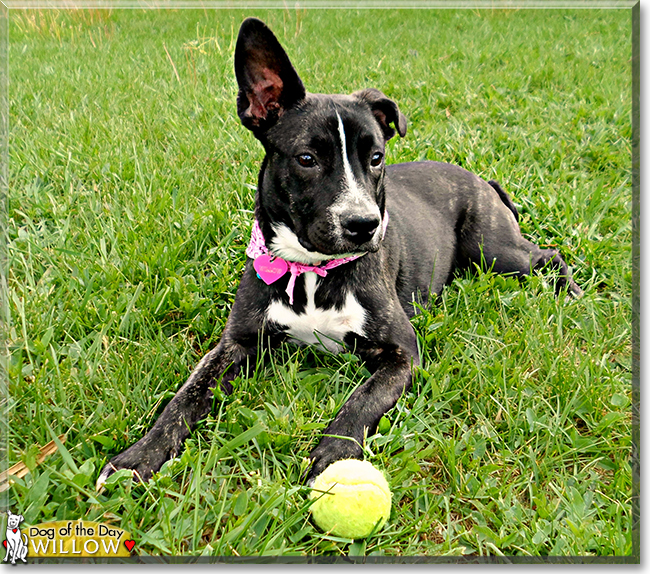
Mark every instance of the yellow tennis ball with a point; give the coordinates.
(351, 497)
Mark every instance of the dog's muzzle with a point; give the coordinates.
(359, 229)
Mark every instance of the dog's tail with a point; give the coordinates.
(507, 201)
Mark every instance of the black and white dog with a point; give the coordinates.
(342, 247)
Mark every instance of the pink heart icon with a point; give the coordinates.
(270, 269)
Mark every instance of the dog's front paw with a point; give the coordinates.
(329, 451)
(143, 458)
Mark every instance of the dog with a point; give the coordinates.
(343, 250)
(16, 541)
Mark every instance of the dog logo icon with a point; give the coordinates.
(16, 541)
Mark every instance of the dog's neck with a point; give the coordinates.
(259, 248)
(279, 240)
(284, 245)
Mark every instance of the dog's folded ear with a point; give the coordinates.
(385, 110)
(268, 83)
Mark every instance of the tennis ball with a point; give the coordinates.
(351, 497)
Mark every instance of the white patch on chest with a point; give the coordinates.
(324, 328)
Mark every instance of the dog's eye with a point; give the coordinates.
(376, 158)
(306, 160)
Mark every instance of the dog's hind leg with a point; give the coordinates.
(490, 235)
(505, 198)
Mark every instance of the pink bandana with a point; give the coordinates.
(270, 268)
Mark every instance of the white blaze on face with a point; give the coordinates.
(352, 190)
(352, 198)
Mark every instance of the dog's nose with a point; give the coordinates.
(359, 228)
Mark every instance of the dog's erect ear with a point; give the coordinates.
(268, 83)
(386, 112)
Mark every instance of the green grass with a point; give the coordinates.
(131, 186)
